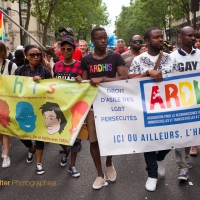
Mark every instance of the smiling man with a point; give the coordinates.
(82, 45)
(63, 32)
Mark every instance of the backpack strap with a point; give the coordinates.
(10, 67)
(158, 61)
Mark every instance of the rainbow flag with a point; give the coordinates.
(2, 32)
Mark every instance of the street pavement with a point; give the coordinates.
(24, 183)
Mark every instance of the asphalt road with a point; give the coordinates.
(24, 183)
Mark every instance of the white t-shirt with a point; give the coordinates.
(144, 62)
(5, 72)
(188, 62)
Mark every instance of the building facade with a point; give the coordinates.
(178, 24)
(12, 31)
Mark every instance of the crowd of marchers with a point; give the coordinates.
(144, 56)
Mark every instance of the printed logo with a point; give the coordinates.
(175, 100)
(100, 68)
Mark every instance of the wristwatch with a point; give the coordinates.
(147, 73)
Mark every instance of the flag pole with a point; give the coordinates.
(1, 10)
(1, 25)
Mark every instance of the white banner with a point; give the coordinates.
(141, 115)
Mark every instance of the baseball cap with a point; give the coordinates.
(20, 47)
(69, 30)
(68, 39)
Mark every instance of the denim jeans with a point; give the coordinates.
(151, 159)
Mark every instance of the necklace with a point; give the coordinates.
(100, 57)
(73, 61)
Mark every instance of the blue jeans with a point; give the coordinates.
(151, 159)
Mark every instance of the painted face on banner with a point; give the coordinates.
(52, 122)
(4, 114)
(76, 119)
(25, 116)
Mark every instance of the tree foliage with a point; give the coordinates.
(143, 14)
(80, 15)
(77, 14)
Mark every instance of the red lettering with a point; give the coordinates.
(95, 68)
(171, 91)
(156, 98)
(91, 69)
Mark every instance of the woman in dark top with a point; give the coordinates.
(33, 68)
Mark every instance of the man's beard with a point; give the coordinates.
(156, 48)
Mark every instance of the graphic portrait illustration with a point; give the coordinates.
(25, 116)
(4, 114)
(54, 118)
(78, 110)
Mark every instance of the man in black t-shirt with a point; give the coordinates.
(101, 66)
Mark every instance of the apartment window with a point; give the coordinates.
(23, 6)
(2, 4)
(27, 40)
(23, 21)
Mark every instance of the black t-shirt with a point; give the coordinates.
(105, 67)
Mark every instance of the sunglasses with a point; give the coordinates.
(120, 41)
(66, 49)
(33, 55)
(137, 41)
(64, 33)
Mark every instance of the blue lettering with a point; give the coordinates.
(142, 138)
(187, 134)
(161, 135)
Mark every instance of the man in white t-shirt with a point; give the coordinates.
(188, 58)
(143, 66)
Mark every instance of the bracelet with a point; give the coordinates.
(103, 79)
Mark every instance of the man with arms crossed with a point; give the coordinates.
(143, 66)
(101, 66)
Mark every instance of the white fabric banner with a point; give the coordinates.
(141, 115)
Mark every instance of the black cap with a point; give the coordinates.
(68, 39)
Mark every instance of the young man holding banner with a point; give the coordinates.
(144, 65)
(101, 66)
(188, 59)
